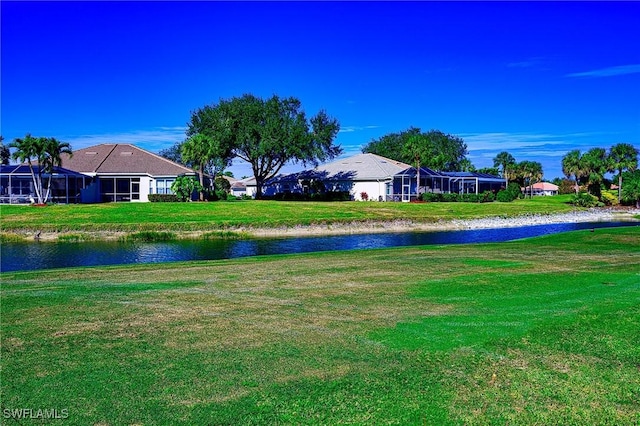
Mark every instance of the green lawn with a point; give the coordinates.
(540, 331)
(134, 217)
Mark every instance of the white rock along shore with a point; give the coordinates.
(370, 227)
(578, 216)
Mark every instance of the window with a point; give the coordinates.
(163, 186)
(120, 189)
(135, 188)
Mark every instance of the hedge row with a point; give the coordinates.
(485, 197)
(163, 198)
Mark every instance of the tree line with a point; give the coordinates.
(588, 169)
(269, 133)
(439, 151)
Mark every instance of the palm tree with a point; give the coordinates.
(197, 150)
(506, 163)
(572, 166)
(415, 148)
(622, 156)
(53, 149)
(28, 150)
(595, 164)
(45, 153)
(532, 173)
(5, 153)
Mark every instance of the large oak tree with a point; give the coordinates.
(436, 150)
(267, 134)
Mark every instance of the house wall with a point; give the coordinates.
(375, 190)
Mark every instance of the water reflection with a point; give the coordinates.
(33, 256)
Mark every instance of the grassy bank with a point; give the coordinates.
(189, 217)
(539, 331)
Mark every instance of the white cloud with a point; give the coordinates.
(546, 148)
(152, 140)
(608, 72)
(350, 129)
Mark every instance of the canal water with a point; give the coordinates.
(46, 255)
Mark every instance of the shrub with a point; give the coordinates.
(584, 199)
(364, 196)
(450, 198)
(431, 197)
(185, 186)
(609, 199)
(488, 197)
(566, 186)
(163, 198)
(512, 192)
(504, 196)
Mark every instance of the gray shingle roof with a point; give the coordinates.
(121, 159)
(363, 167)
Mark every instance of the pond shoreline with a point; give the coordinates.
(351, 228)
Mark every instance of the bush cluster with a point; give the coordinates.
(584, 199)
(609, 198)
(512, 192)
(485, 197)
(163, 198)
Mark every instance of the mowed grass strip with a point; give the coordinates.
(539, 331)
(136, 217)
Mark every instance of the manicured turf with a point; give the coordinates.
(539, 331)
(136, 217)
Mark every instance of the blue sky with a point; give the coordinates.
(536, 79)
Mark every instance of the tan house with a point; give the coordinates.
(123, 172)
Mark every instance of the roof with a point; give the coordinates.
(544, 186)
(23, 169)
(424, 171)
(484, 177)
(121, 159)
(360, 167)
(363, 167)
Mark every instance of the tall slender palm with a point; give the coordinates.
(532, 173)
(30, 150)
(622, 156)
(572, 166)
(595, 163)
(41, 155)
(506, 163)
(197, 150)
(53, 149)
(416, 148)
(5, 153)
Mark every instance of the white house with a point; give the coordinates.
(358, 175)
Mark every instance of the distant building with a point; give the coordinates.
(360, 174)
(541, 188)
(380, 178)
(123, 172)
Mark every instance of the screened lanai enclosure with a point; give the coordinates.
(17, 187)
(406, 188)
